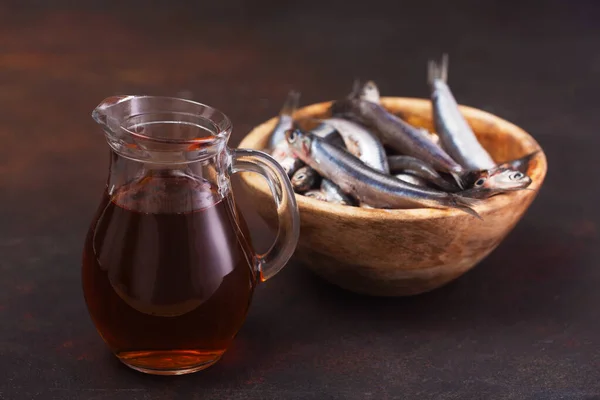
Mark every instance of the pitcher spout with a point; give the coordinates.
(110, 111)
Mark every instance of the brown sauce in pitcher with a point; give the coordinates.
(167, 272)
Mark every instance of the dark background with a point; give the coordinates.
(524, 324)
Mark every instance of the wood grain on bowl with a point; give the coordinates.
(405, 252)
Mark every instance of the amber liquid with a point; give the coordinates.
(167, 274)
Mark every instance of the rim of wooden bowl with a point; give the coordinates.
(418, 106)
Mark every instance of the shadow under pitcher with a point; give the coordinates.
(168, 267)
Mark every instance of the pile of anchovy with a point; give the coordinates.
(364, 155)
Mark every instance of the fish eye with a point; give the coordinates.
(480, 182)
(291, 136)
(300, 176)
(517, 175)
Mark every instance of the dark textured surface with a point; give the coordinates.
(524, 324)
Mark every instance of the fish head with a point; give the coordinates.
(502, 179)
(299, 142)
(301, 180)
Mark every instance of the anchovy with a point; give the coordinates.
(455, 134)
(360, 142)
(421, 169)
(397, 134)
(368, 185)
(415, 180)
(286, 120)
(329, 134)
(304, 179)
(316, 194)
(277, 145)
(327, 197)
(290, 163)
(335, 194)
(497, 181)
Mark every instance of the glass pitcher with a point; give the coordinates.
(168, 268)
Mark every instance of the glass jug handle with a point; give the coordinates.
(271, 262)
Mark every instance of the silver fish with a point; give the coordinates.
(335, 194)
(316, 194)
(304, 179)
(421, 169)
(397, 134)
(412, 179)
(370, 92)
(290, 163)
(286, 120)
(366, 184)
(329, 134)
(362, 143)
(455, 134)
(497, 181)
(277, 145)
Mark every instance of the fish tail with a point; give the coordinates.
(465, 204)
(356, 89)
(370, 92)
(437, 71)
(342, 107)
(444, 72)
(291, 103)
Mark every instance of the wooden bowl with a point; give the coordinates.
(404, 252)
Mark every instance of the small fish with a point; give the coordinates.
(366, 184)
(323, 196)
(455, 134)
(329, 134)
(286, 120)
(304, 179)
(277, 145)
(290, 163)
(414, 166)
(397, 134)
(415, 180)
(360, 142)
(520, 164)
(316, 194)
(497, 181)
(335, 194)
